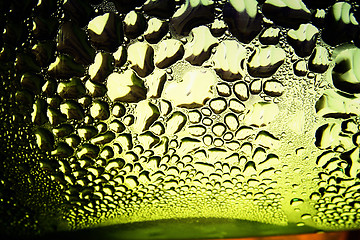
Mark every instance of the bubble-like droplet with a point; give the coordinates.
(105, 32)
(228, 136)
(300, 68)
(72, 110)
(218, 105)
(156, 30)
(295, 202)
(218, 142)
(100, 110)
(228, 55)
(197, 130)
(223, 89)
(102, 67)
(129, 120)
(264, 62)
(208, 140)
(273, 88)
(270, 36)
(236, 106)
(207, 121)
(193, 91)
(118, 110)
(169, 52)
(134, 24)
(303, 39)
(306, 216)
(198, 51)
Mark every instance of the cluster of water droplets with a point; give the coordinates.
(174, 109)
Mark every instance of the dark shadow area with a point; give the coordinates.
(210, 228)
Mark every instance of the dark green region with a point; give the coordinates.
(30, 202)
(193, 228)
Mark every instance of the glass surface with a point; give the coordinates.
(179, 119)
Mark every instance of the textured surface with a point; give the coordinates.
(115, 112)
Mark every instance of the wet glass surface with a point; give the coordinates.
(179, 114)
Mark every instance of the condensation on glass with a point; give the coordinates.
(125, 111)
